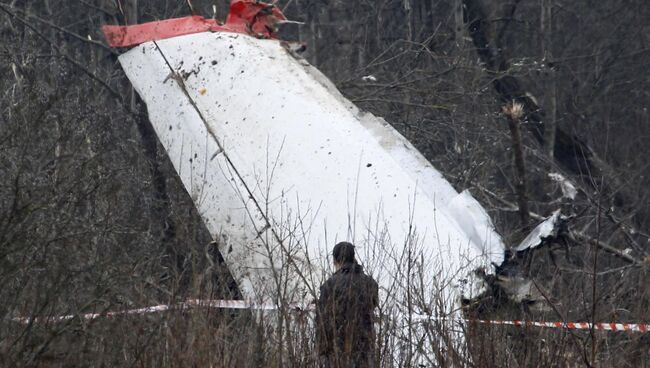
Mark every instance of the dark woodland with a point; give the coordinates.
(496, 94)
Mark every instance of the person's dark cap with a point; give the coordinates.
(343, 252)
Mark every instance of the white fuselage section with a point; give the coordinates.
(281, 167)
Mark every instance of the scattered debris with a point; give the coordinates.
(569, 191)
(524, 291)
(544, 230)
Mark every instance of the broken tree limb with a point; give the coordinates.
(569, 151)
(579, 237)
(513, 113)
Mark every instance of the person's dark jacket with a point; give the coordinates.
(346, 335)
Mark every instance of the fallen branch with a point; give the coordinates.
(579, 237)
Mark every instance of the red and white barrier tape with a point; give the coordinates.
(191, 303)
(630, 327)
(241, 304)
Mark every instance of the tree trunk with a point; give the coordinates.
(459, 22)
(569, 151)
(520, 171)
(550, 82)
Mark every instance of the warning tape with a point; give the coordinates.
(630, 327)
(191, 303)
(241, 304)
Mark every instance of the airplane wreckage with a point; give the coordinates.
(281, 166)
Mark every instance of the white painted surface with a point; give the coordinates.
(541, 231)
(298, 154)
(569, 190)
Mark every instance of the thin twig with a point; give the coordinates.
(113, 92)
(61, 29)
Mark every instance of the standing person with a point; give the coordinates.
(344, 314)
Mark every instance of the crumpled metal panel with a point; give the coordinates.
(246, 16)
